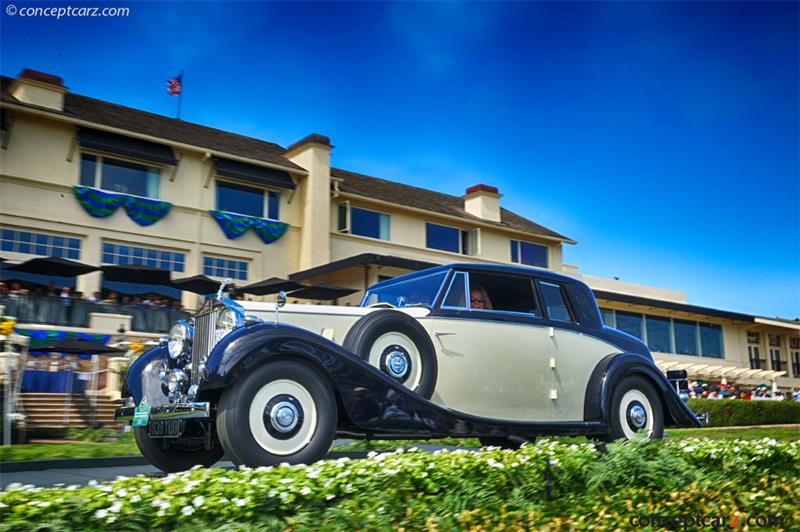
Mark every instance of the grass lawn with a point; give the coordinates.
(127, 447)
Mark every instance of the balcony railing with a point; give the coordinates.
(55, 311)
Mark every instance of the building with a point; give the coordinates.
(107, 184)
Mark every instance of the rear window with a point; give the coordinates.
(553, 298)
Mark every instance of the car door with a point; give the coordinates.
(575, 353)
(493, 362)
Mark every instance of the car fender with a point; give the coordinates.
(612, 369)
(148, 364)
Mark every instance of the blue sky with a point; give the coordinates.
(664, 137)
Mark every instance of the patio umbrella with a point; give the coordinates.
(273, 285)
(136, 273)
(322, 292)
(199, 284)
(56, 266)
(77, 346)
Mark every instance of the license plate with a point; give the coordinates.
(166, 428)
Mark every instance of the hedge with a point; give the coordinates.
(549, 485)
(732, 412)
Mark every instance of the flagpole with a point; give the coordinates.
(180, 94)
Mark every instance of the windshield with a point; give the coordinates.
(417, 292)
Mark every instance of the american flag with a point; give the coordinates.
(174, 85)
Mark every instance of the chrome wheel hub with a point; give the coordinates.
(284, 416)
(637, 416)
(397, 364)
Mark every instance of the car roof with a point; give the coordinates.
(479, 267)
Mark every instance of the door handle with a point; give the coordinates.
(440, 333)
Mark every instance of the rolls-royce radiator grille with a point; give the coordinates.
(203, 340)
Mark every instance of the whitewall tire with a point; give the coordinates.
(636, 411)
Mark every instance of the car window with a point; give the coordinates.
(456, 294)
(553, 298)
(416, 292)
(506, 293)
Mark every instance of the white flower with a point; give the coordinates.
(286, 481)
(198, 501)
(43, 504)
(100, 514)
(330, 497)
(136, 498)
(305, 491)
(240, 502)
(121, 492)
(187, 510)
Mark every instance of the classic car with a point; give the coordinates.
(501, 353)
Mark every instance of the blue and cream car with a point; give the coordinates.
(504, 354)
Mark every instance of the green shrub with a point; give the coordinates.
(732, 412)
(548, 485)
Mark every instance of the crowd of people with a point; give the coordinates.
(705, 390)
(68, 296)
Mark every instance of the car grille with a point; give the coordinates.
(203, 339)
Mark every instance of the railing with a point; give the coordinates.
(55, 311)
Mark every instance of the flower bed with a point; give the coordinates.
(548, 484)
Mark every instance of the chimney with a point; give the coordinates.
(40, 89)
(313, 153)
(483, 201)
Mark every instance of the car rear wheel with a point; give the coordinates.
(636, 411)
(173, 455)
(281, 412)
(399, 346)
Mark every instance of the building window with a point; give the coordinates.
(686, 337)
(123, 254)
(710, 340)
(659, 334)
(529, 254)
(796, 363)
(40, 244)
(116, 175)
(754, 354)
(225, 268)
(630, 323)
(608, 317)
(452, 239)
(774, 341)
(251, 201)
(553, 298)
(363, 222)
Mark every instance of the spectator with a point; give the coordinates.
(52, 290)
(16, 289)
(66, 296)
(796, 395)
(97, 297)
(111, 298)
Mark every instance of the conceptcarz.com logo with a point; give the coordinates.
(693, 522)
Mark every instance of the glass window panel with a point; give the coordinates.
(126, 177)
(419, 291)
(686, 337)
(365, 223)
(711, 340)
(151, 254)
(274, 205)
(42, 240)
(73, 243)
(384, 227)
(26, 237)
(554, 301)
(108, 248)
(8, 245)
(56, 252)
(441, 237)
(8, 234)
(41, 250)
(608, 317)
(630, 323)
(456, 293)
(58, 242)
(207, 261)
(73, 253)
(108, 258)
(533, 254)
(343, 208)
(515, 251)
(88, 169)
(240, 199)
(659, 335)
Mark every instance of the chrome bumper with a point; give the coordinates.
(168, 411)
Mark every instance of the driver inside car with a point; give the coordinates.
(479, 299)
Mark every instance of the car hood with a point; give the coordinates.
(255, 306)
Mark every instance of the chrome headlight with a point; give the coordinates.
(180, 337)
(226, 323)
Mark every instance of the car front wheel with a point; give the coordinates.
(636, 411)
(281, 412)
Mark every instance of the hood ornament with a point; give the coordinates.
(280, 301)
(222, 286)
